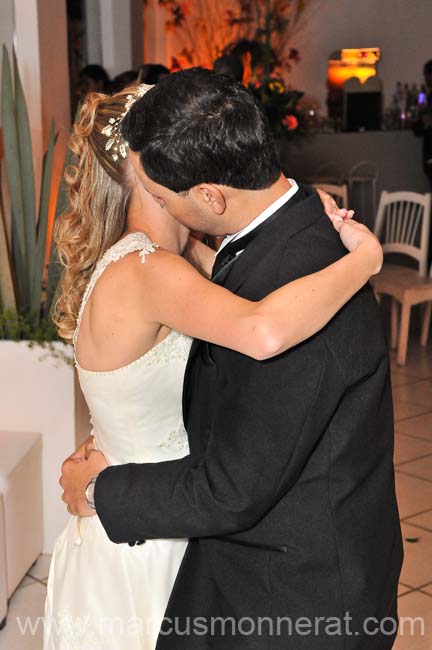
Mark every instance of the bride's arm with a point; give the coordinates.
(175, 294)
(202, 257)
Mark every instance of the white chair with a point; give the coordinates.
(363, 176)
(328, 172)
(3, 571)
(21, 487)
(338, 192)
(402, 225)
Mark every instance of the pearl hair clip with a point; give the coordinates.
(116, 144)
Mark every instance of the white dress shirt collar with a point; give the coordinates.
(271, 209)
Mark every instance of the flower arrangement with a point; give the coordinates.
(204, 27)
(282, 108)
(257, 32)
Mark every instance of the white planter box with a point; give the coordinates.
(40, 393)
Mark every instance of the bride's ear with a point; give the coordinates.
(212, 197)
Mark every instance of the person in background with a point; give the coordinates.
(93, 79)
(423, 127)
(123, 80)
(151, 73)
(230, 66)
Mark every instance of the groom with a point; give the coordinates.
(288, 492)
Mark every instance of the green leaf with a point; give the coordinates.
(40, 251)
(26, 160)
(7, 291)
(15, 184)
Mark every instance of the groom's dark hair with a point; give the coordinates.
(196, 127)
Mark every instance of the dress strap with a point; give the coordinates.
(136, 241)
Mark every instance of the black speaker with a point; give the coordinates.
(363, 111)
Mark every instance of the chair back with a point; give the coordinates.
(362, 187)
(338, 192)
(363, 170)
(329, 172)
(403, 224)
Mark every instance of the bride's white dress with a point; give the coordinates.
(105, 596)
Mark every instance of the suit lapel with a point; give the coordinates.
(292, 221)
(235, 274)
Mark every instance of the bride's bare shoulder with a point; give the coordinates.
(129, 279)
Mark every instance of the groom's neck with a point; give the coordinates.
(245, 205)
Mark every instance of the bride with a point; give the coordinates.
(115, 242)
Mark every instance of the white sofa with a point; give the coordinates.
(21, 490)
(3, 581)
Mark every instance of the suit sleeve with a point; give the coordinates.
(269, 417)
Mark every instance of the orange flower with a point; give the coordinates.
(291, 122)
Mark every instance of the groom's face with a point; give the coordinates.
(200, 209)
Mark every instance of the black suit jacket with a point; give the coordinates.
(288, 491)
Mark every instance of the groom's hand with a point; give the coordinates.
(76, 474)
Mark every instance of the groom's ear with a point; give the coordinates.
(211, 196)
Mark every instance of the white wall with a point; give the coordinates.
(6, 22)
(115, 34)
(94, 36)
(401, 28)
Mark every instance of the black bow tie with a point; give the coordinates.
(229, 252)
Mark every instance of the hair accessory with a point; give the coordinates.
(116, 144)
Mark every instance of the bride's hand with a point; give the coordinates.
(89, 447)
(354, 235)
(332, 209)
(83, 451)
(76, 474)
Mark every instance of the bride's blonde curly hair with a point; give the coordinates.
(98, 201)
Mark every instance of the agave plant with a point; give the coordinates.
(26, 286)
(7, 289)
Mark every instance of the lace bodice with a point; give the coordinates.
(136, 409)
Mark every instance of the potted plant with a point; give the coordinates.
(39, 391)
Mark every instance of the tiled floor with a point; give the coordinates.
(412, 387)
(27, 605)
(412, 391)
